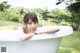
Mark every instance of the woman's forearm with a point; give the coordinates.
(26, 36)
(52, 30)
(47, 30)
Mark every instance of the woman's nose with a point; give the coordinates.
(33, 25)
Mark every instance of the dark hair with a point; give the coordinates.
(31, 16)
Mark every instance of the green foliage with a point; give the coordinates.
(74, 8)
(4, 6)
(56, 15)
(57, 12)
(44, 14)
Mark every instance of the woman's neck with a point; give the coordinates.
(25, 30)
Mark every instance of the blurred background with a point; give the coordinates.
(49, 12)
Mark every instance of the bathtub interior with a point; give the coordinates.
(44, 43)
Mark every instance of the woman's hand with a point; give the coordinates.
(38, 32)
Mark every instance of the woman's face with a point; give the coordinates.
(31, 26)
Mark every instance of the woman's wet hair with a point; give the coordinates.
(30, 16)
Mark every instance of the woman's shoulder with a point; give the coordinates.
(20, 28)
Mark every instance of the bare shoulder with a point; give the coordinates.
(20, 31)
(20, 28)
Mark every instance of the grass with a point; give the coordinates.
(8, 25)
(70, 44)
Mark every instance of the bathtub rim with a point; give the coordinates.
(46, 36)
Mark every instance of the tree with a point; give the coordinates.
(4, 6)
(57, 14)
(44, 14)
(74, 8)
(60, 1)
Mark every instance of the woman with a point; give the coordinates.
(30, 27)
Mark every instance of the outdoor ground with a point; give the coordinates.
(70, 44)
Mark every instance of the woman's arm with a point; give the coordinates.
(51, 30)
(47, 30)
(24, 37)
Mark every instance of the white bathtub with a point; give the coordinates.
(44, 43)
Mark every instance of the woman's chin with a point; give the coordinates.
(32, 30)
